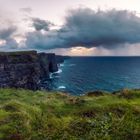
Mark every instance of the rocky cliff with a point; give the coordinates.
(47, 63)
(25, 69)
(60, 58)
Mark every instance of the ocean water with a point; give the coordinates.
(79, 75)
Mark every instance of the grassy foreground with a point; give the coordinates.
(28, 115)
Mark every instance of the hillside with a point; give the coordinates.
(41, 115)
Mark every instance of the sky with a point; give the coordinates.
(71, 27)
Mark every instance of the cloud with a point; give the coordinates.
(99, 32)
(6, 33)
(40, 24)
(9, 44)
(26, 9)
(88, 28)
(125, 50)
(47, 40)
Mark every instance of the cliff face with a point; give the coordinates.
(60, 59)
(25, 69)
(47, 63)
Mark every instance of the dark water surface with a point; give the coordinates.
(82, 74)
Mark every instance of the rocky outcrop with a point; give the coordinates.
(25, 69)
(47, 63)
(60, 59)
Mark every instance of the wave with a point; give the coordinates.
(59, 71)
(61, 65)
(69, 65)
(61, 87)
(54, 77)
(51, 76)
(55, 74)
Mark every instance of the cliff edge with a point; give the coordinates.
(25, 69)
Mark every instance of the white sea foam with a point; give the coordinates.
(61, 65)
(51, 75)
(61, 87)
(59, 71)
(56, 76)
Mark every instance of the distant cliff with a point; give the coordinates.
(47, 63)
(26, 69)
(60, 59)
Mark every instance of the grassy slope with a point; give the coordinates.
(28, 115)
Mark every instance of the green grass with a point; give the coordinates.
(41, 115)
(18, 52)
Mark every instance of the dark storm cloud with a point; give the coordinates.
(10, 44)
(85, 27)
(40, 24)
(47, 40)
(7, 32)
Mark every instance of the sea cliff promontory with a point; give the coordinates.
(26, 69)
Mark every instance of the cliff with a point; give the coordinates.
(60, 59)
(47, 63)
(25, 69)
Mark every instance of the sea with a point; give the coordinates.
(79, 75)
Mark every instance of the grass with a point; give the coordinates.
(18, 52)
(41, 115)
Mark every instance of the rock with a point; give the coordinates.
(19, 70)
(60, 59)
(48, 63)
(95, 93)
(25, 69)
